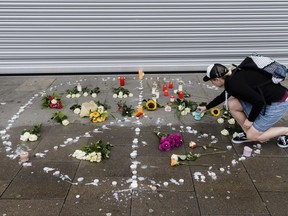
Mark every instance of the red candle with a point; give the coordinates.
(164, 87)
(166, 93)
(181, 94)
(172, 99)
(170, 84)
(122, 81)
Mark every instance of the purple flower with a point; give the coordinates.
(178, 140)
(165, 146)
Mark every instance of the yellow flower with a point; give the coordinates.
(101, 118)
(215, 112)
(94, 114)
(151, 105)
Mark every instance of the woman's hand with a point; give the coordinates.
(201, 108)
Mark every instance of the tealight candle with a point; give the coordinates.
(133, 167)
(170, 85)
(24, 156)
(122, 81)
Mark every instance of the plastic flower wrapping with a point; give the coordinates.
(168, 141)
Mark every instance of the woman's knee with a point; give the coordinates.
(234, 105)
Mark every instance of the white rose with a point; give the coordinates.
(33, 137)
(94, 95)
(65, 122)
(220, 120)
(68, 96)
(73, 95)
(85, 94)
(187, 109)
(25, 136)
(99, 157)
(183, 113)
(231, 121)
(79, 154)
(234, 134)
(77, 111)
(77, 95)
(125, 96)
(180, 107)
(100, 109)
(115, 95)
(130, 95)
(168, 108)
(175, 91)
(120, 95)
(54, 101)
(225, 132)
(174, 157)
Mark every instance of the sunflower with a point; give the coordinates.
(151, 105)
(215, 112)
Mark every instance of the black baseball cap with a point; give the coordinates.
(215, 71)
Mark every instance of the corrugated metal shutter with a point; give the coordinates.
(61, 36)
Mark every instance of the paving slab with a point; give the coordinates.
(232, 194)
(148, 203)
(28, 184)
(20, 207)
(276, 202)
(101, 199)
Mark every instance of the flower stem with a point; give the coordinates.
(212, 153)
(205, 165)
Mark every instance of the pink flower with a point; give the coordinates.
(165, 146)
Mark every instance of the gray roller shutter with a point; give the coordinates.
(69, 36)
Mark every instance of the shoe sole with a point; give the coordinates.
(239, 142)
(282, 146)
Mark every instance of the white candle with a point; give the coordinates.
(24, 156)
(180, 86)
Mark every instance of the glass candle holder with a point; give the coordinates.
(180, 86)
(122, 81)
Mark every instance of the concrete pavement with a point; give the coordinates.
(53, 182)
